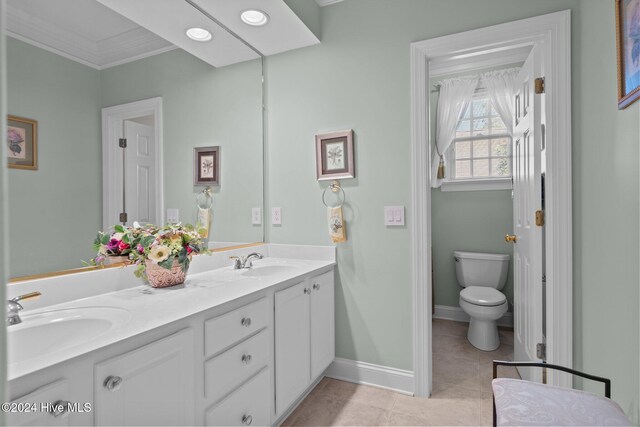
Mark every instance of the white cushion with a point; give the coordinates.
(525, 403)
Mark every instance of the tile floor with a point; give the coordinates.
(461, 390)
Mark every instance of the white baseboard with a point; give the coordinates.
(456, 313)
(364, 373)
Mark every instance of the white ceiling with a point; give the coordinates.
(105, 33)
(323, 3)
(82, 30)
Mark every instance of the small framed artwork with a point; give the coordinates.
(22, 143)
(628, 47)
(206, 166)
(334, 155)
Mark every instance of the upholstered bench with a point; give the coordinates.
(526, 403)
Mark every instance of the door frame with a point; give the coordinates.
(112, 124)
(552, 34)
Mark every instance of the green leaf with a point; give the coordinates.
(167, 263)
(118, 228)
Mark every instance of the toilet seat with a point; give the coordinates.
(483, 296)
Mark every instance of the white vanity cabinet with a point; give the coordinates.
(152, 385)
(304, 336)
(50, 407)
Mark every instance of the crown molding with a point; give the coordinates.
(440, 67)
(323, 3)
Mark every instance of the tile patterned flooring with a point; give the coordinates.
(461, 390)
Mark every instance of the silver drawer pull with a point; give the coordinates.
(247, 420)
(113, 382)
(307, 290)
(316, 286)
(246, 359)
(246, 321)
(60, 408)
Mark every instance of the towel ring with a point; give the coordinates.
(204, 200)
(335, 188)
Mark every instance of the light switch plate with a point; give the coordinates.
(276, 216)
(173, 216)
(394, 215)
(256, 216)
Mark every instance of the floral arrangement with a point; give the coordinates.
(116, 243)
(163, 246)
(150, 244)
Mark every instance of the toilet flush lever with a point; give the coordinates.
(510, 238)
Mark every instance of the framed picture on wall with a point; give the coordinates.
(628, 47)
(206, 166)
(334, 155)
(22, 143)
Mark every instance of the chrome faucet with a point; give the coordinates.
(240, 262)
(14, 307)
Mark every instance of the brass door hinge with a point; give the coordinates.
(540, 218)
(539, 85)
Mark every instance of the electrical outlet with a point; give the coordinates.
(173, 216)
(276, 216)
(256, 216)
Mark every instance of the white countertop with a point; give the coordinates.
(144, 308)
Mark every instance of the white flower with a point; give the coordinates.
(159, 253)
(118, 236)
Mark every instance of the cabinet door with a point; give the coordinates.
(292, 344)
(322, 323)
(47, 406)
(153, 385)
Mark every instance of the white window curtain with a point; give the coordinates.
(501, 85)
(455, 96)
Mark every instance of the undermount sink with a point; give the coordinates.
(267, 270)
(52, 331)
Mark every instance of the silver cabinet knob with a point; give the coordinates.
(246, 359)
(247, 420)
(113, 382)
(307, 290)
(246, 321)
(60, 408)
(316, 286)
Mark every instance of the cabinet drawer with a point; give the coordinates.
(42, 414)
(223, 331)
(228, 370)
(249, 405)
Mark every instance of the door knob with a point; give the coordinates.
(510, 238)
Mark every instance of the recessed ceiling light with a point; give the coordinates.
(254, 17)
(199, 34)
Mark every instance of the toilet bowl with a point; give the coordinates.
(482, 275)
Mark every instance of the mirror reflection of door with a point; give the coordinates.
(139, 189)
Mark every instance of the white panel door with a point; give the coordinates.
(528, 255)
(293, 359)
(55, 395)
(140, 186)
(322, 323)
(152, 385)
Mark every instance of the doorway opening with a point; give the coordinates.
(132, 163)
(544, 252)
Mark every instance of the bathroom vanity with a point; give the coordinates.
(230, 347)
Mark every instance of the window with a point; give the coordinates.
(482, 147)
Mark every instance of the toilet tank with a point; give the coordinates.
(481, 269)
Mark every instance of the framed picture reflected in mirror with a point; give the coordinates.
(628, 47)
(22, 143)
(206, 165)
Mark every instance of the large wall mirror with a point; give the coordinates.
(57, 209)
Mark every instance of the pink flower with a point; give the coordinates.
(189, 250)
(122, 246)
(140, 249)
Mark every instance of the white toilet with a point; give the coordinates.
(482, 276)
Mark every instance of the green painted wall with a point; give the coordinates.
(54, 212)
(203, 106)
(359, 78)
